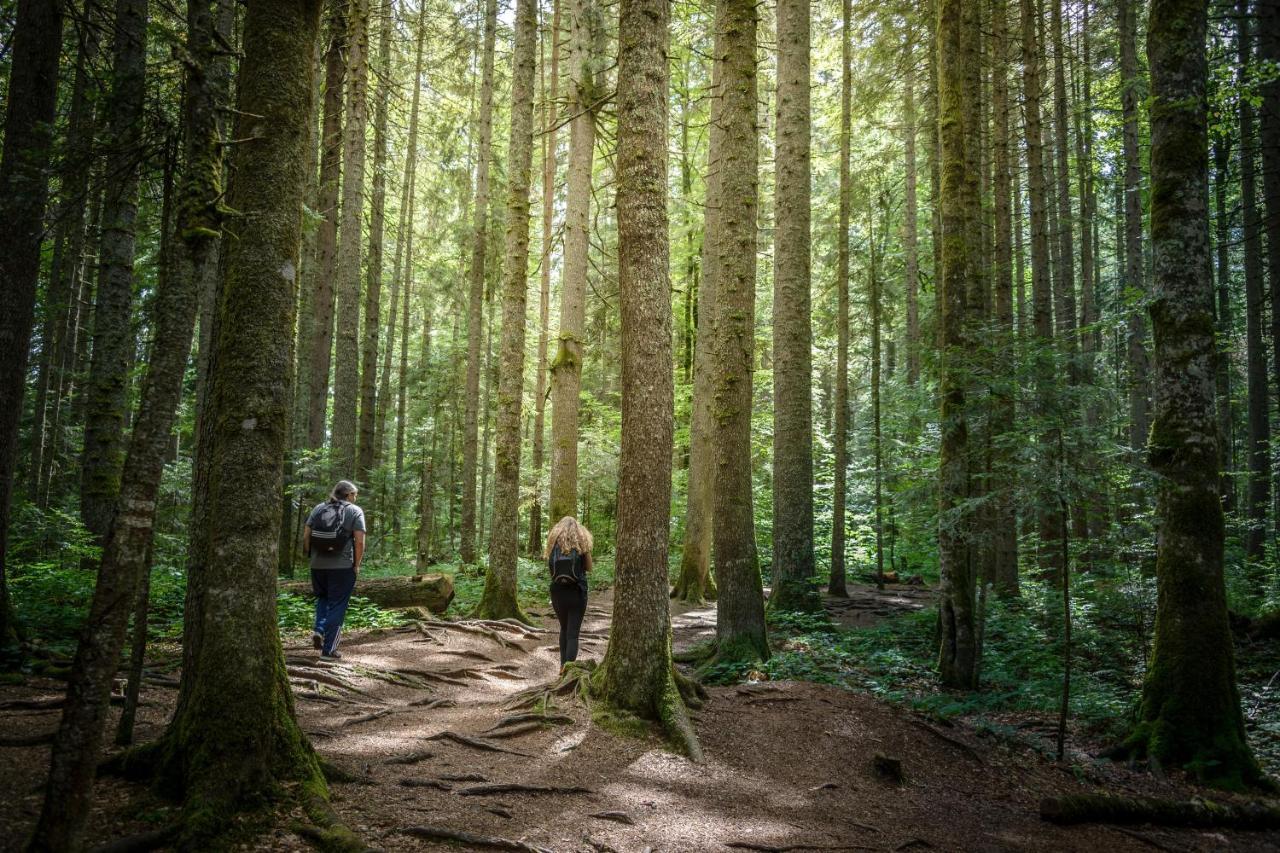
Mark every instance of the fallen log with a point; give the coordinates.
(1105, 808)
(434, 592)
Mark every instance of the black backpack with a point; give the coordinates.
(564, 568)
(328, 533)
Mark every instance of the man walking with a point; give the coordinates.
(334, 540)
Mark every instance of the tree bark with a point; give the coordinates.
(840, 441)
(550, 95)
(326, 267)
(958, 59)
(113, 340)
(585, 33)
(1139, 382)
(910, 214)
(637, 674)
(1226, 324)
(740, 627)
(346, 374)
(793, 587)
(475, 329)
(1268, 15)
(1190, 713)
(24, 190)
(225, 757)
(499, 600)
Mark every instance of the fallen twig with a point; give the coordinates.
(439, 833)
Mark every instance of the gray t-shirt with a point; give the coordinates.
(352, 519)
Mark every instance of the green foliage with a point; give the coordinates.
(297, 613)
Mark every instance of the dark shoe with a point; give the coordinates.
(317, 640)
(331, 656)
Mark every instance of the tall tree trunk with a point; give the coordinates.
(793, 587)
(910, 212)
(24, 190)
(1225, 324)
(740, 628)
(367, 446)
(877, 452)
(326, 268)
(499, 600)
(637, 674)
(475, 329)
(566, 368)
(224, 757)
(550, 95)
(1139, 383)
(126, 559)
(958, 91)
(695, 582)
(113, 340)
(1268, 14)
(1066, 274)
(1190, 714)
(1004, 566)
(840, 441)
(1041, 292)
(346, 374)
(1258, 495)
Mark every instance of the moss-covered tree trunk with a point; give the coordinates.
(24, 190)
(740, 628)
(346, 372)
(1268, 15)
(368, 450)
(585, 33)
(637, 674)
(958, 24)
(228, 757)
(499, 599)
(1136, 326)
(694, 584)
(1190, 714)
(325, 269)
(1226, 324)
(840, 440)
(793, 587)
(910, 211)
(475, 327)
(113, 341)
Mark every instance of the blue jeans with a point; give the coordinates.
(332, 588)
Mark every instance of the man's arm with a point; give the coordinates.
(306, 541)
(359, 537)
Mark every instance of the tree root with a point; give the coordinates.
(489, 842)
(328, 832)
(325, 676)
(142, 842)
(410, 758)
(516, 788)
(468, 653)
(1104, 808)
(337, 775)
(516, 719)
(472, 628)
(958, 744)
(695, 654)
(365, 718)
(33, 704)
(429, 704)
(463, 777)
(515, 731)
(426, 783)
(783, 848)
(27, 740)
(691, 690)
(616, 817)
(475, 743)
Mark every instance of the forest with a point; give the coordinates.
(869, 403)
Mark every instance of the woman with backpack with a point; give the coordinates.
(568, 556)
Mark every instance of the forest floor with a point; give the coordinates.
(789, 765)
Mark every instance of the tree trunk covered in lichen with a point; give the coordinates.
(958, 25)
(840, 441)
(113, 340)
(346, 373)
(475, 329)
(1004, 546)
(1190, 714)
(1136, 326)
(224, 758)
(126, 558)
(695, 582)
(499, 599)
(368, 452)
(24, 190)
(1226, 324)
(585, 34)
(326, 266)
(740, 628)
(637, 674)
(793, 587)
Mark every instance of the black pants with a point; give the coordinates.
(570, 603)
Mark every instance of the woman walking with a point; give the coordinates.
(568, 556)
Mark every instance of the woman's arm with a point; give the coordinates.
(586, 563)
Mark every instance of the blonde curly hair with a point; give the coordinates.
(570, 536)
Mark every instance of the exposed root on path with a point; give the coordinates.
(487, 842)
(475, 743)
(517, 719)
(27, 740)
(410, 758)
(142, 842)
(516, 788)
(783, 848)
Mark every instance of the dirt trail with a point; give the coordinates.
(417, 715)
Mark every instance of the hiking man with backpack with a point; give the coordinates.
(568, 554)
(334, 539)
